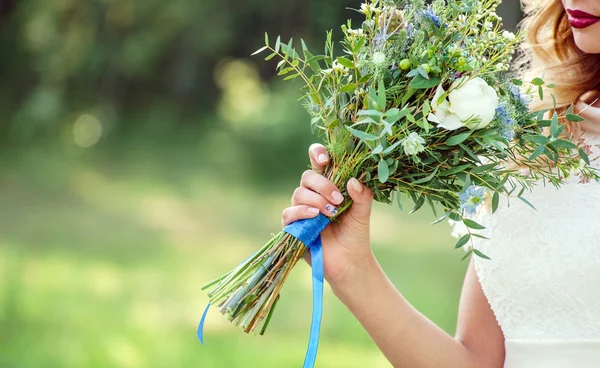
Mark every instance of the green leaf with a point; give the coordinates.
(457, 139)
(537, 82)
(293, 76)
(383, 171)
(473, 225)
(517, 82)
(394, 114)
(391, 148)
(478, 253)
(454, 170)
(467, 254)
(270, 56)
(539, 139)
(427, 178)
(349, 88)
(441, 218)
(266, 39)
(480, 236)
(304, 48)
(419, 82)
(469, 152)
(346, 62)
(370, 113)
(462, 241)
(584, 156)
(278, 44)
(399, 200)
(526, 201)
(260, 50)
(381, 98)
(484, 168)
(426, 108)
(495, 202)
(561, 143)
(377, 150)
(554, 125)
(574, 118)
(541, 93)
(537, 152)
(362, 135)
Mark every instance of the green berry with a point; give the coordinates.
(462, 61)
(426, 67)
(405, 64)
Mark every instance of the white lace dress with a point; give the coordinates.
(543, 279)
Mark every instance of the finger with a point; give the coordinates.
(305, 196)
(362, 198)
(318, 156)
(296, 213)
(320, 184)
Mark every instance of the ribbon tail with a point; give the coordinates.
(316, 253)
(201, 325)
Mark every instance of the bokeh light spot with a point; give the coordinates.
(87, 131)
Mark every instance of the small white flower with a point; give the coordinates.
(413, 144)
(356, 32)
(379, 59)
(470, 103)
(508, 35)
(369, 8)
(337, 67)
(488, 25)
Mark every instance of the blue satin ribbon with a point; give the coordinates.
(201, 325)
(308, 232)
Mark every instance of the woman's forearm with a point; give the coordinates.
(403, 334)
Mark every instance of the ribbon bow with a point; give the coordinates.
(308, 231)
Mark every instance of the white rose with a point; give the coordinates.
(472, 104)
(413, 144)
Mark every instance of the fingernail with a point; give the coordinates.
(313, 210)
(337, 197)
(332, 209)
(323, 157)
(356, 185)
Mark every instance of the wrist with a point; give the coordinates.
(357, 274)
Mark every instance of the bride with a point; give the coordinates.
(537, 302)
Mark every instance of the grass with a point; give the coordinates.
(101, 267)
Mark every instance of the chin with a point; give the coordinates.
(588, 39)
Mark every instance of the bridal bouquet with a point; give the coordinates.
(421, 104)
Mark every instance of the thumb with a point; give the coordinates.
(363, 200)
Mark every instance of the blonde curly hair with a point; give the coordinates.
(550, 50)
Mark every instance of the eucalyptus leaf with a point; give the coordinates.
(462, 241)
(419, 82)
(383, 171)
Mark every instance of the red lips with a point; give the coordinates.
(580, 19)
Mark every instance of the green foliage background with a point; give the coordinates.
(144, 153)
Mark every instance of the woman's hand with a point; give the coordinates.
(346, 244)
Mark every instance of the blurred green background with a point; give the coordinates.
(144, 152)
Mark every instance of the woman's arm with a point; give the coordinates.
(405, 336)
(409, 339)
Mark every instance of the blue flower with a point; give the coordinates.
(507, 125)
(471, 198)
(515, 91)
(430, 14)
